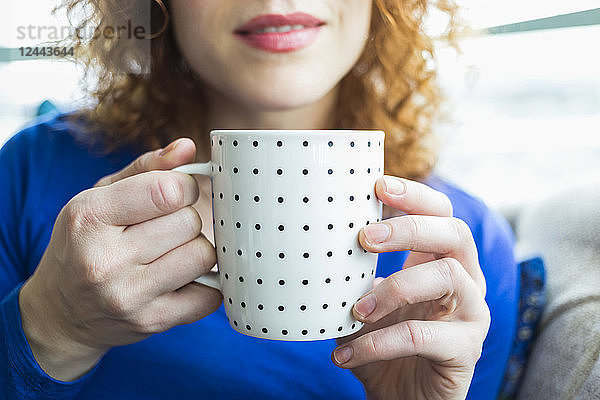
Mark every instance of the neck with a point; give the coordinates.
(223, 113)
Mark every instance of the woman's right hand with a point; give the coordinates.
(120, 266)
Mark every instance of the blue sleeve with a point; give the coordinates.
(495, 244)
(20, 375)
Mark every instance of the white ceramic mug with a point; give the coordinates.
(287, 208)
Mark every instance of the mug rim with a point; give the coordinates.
(297, 132)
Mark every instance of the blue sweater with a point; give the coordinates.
(44, 165)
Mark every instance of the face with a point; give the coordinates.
(271, 54)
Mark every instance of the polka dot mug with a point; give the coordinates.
(287, 208)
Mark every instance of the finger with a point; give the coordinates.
(142, 197)
(446, 237)
(186, 305)
(178, 152)
(444, 281)
(179, 266)
(451, 344)
(151, 239)
(412, 197)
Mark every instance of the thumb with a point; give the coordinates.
(178, 152)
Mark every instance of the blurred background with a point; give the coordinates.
(523, 94)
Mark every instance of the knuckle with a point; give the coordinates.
(116, 304)
(167, 193)
(414, 229)
(450, 269)
(417, 335)
(191, 220)
(149, 324)
(461, 229)
(206, 254)
(139, 164)
(447, 204)
(397, 286)
(371, 344)
(80, 214)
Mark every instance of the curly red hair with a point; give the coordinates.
(391, 88)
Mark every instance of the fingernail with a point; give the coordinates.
(365, 306)
(376, 233)
(169, 149)
(394, 186)
(342, 354)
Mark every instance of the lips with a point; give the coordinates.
(280, 33)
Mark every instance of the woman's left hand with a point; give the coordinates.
(424, 325)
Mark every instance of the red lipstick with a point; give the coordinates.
(280, 33)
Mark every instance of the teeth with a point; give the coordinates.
(280, 29)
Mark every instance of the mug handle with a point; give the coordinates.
(211, 278)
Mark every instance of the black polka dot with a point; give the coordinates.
(259, 281)
(368, 170)
(353, 325)
(305, 143)
(237, 197)
(305, 199)
(235, 323)
(322, 331)
(351, 144)
(257, 227)
(380, 142)
(372, 271)
(325, 306)
(328, 280)
(235, 170)
(226, 276)
(255, 143)
(248, 327)
(304, 332)
(265, 330)
(221, 195)
(349, 252)
(305, 255)
(305, 171)
(241, 278)
(279, 143)
(351, 171)
(284, 332)
(238, 225)
(220, 142)
(260, 306)
(256, 199)
(368, 197)
(347, 278)
(279, 171)
(330, 199)
(351, 225)
(362, 275)
(220, 169)
(243, 304)
(213, 195)
(302, 307)
(343, 304)
(280, 199)
(230, 301)
(222, 222)
(281, 308)
(239, 252)
(305, 227)
(258, 254)
(364, 251)
(281, 282)
(340, 328)
(255, 171)
(235, 142)
(369, 143)
(281, 255)
(305, 282)
(351, 198)
(329, 253)
(330, 171)
(281, 228)
(368, 222)
(330, 226)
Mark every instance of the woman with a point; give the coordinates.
(107, 309)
